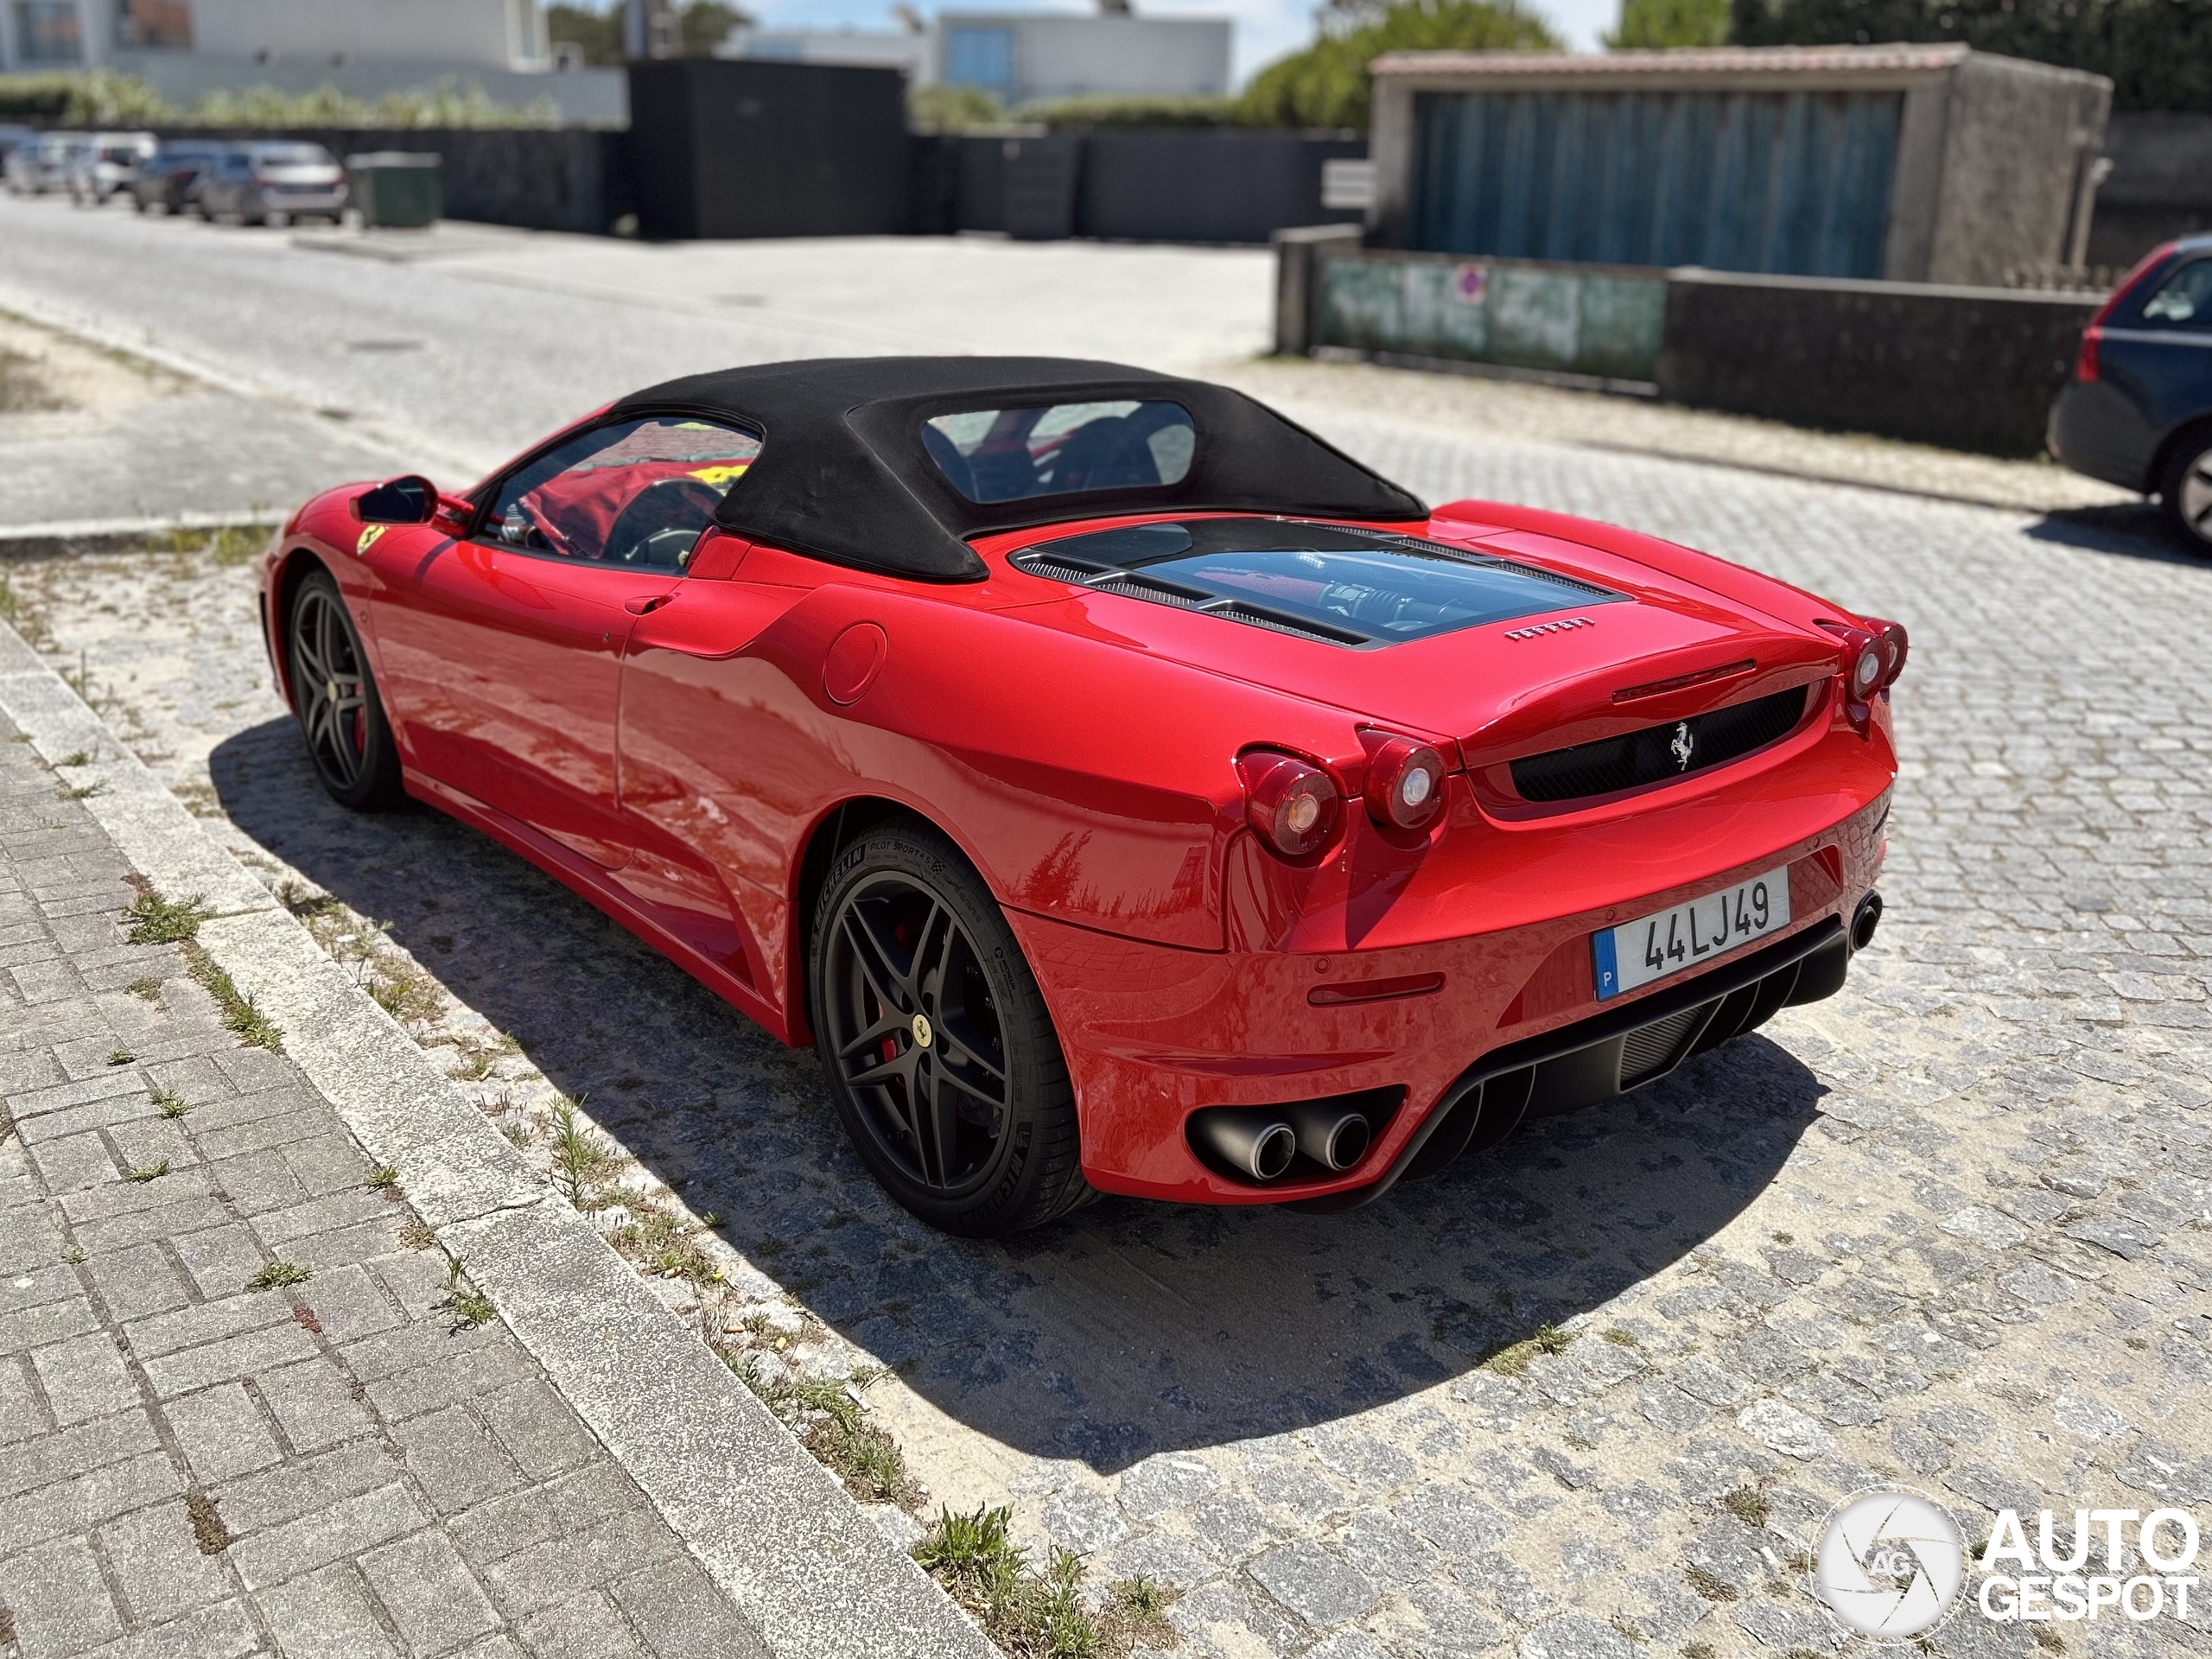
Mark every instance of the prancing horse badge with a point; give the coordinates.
(1683, 745)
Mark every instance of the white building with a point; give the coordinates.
(1023, 57)
(188, 47)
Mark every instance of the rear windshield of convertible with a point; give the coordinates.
(1338, 583)
(1008, 454)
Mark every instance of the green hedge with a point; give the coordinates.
(2158, 52)
(103, 99)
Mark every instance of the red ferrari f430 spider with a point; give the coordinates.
(1122, 790)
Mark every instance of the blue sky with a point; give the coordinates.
(1265, 28)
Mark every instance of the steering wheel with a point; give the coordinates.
(662, 523)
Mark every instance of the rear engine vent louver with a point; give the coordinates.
(1655, 754)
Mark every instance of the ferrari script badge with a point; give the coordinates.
(921, 1031)
(1683, 745)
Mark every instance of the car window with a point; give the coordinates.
(1005, 454)
(2184, 299)
(635, 492)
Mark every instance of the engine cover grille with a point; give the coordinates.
(1656, 754)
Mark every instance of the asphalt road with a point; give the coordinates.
(492, 339)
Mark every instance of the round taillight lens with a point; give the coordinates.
(1290, 805)
(1867, 672)
(1405, 783)
(1892, 637)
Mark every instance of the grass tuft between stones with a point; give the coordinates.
(153, 1171)
(1749, 1505)
(153, 919)
(240, 1017)
(468, 1306)
(831, 1421)
(1039, 1614)
(278, 1274)
(1512, 1358)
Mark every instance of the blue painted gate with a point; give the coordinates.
(1790, 183)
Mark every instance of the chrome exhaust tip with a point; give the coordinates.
(1865, 920)
(1255, 1143)
(1331, 1136)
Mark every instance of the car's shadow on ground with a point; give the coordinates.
(2136, 529)
(1127, 1329)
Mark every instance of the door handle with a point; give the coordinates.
(646, 604)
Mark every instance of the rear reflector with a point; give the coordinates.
(1374, 990)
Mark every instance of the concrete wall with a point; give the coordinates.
(2160, 185)
(1583, 320)
(1966, 368)
(1992, 153)
(2018, 142)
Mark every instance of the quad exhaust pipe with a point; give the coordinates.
(1261, 1141)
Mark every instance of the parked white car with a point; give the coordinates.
(107, 166)
(36, 168)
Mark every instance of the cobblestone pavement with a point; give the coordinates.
(1948, 1228)
(243, 1410)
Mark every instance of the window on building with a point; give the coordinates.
(980, 57)
(529, 40)
(46, 32)
(164, 23)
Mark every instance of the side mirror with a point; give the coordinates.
(410, 500)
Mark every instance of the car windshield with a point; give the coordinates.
(293, 156)
(1006, 454)
(1355, 587)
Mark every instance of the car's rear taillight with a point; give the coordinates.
(2086, 367)
(1290, 805)
(1405, 781)
(1891, 638)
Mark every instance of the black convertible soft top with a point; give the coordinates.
(842, 473)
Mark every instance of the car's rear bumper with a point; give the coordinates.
(2096, 430)
(1153, 1034)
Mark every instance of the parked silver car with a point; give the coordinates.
(106, 165)
(35, 169)
(257, 182)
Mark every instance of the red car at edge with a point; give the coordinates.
(1122, 790)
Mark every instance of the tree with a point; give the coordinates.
(1670, 22)
(2158, 52)
(1326, 84)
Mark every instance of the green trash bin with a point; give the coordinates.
(396, 191)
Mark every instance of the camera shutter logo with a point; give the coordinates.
(1889, 1563)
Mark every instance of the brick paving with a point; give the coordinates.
(1949, 1228)
(190, 1467)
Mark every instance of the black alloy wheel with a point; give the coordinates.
(940, 1052)
(335, 697)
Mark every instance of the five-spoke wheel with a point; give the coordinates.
(940, 1052)
(335, 698)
